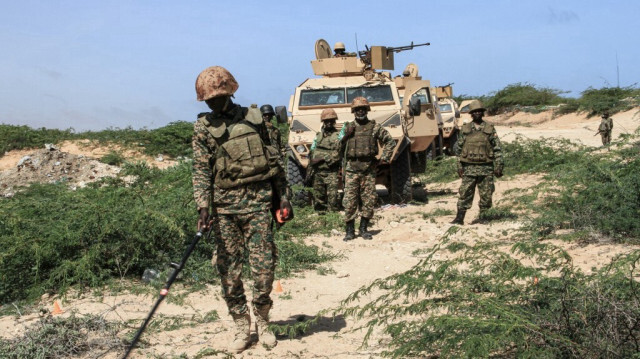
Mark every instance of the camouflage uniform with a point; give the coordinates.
(360, 172)
(241, 214)
(275, 138)
(478, 172)
(605, 129)
(325, 174)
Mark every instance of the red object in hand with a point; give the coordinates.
(281, 214)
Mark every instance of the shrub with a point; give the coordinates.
(520, 94)
(480, 301)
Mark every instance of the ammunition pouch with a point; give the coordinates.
(244, 158)
(477, 147)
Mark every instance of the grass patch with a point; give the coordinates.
(113, 158)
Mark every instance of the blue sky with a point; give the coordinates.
(98, 64)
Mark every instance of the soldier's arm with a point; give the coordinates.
(202, 172)
(498, 163)
(388, 143)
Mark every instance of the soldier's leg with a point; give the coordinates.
(263, 256)
(368, 195)
(608, 138)
(603, 136)
(229, 260)
(466, 192)
(319, 191)
(486, 187)
(332, 191)
(351, 195)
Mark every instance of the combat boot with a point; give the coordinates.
(242, 335)
(459, 217)
(265, 335)
(351, 231)
(364, 233)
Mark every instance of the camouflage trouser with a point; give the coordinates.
(359, 188)
(468, 188)
(606, 137)
(236, 233)
(325, 191)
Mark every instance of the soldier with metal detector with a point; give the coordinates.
(242, 180)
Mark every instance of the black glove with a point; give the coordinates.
(460, 172)
(497, 172)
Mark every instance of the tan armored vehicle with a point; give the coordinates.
(411, 121)
(451, 121)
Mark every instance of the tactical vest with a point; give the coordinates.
(363, 144)
(244, 158)
(477, 147)
(327, 147)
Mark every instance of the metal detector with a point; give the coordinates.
(177, 267)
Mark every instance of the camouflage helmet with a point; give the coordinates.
(339, 46)
(215, 81)
(266, 110)
(476, 105)
(360, 102)
(328, 114)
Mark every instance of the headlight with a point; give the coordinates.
(301, 149)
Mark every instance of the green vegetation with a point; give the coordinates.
(480, 300)
(113, 158)
(531, 98)
(58, 338)
(173, 139)
(54, 238)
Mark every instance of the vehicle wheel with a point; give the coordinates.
(453, 140)
(401, 191)
(295, 178)
(439, 144)
(419, 161)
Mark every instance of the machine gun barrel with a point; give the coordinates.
(407, 47)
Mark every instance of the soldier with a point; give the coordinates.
(605, 128)
(360, 139)
(239, 177)
(325, 163)
(479, 159)
(339, 50)
(274, 133)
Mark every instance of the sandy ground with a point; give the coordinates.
(398, 232)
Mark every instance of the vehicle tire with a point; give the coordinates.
(295, 178)
(453, 140)
(439, 144)
(401, 191)
(419, 161)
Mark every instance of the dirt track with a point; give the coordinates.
(398, 233)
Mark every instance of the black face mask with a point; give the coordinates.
(218, 104)
(329, 125)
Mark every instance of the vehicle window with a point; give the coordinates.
(445, 107)
(465, 109)
(321, 97)
(423, 95)
(372, 94)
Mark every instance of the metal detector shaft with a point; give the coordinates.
(177, 267)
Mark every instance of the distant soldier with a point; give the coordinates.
(239, 176)
(605, 128)
(325, 163)
(360, 140)
(268, 116)
(339, 50)
(479, 159)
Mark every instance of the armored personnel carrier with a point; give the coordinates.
(410, 118)
(451, 121)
